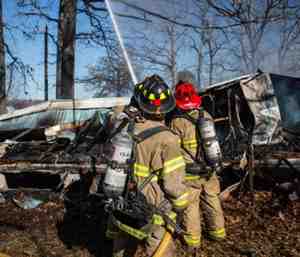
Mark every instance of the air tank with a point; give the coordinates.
(210, 143)
(116, 177)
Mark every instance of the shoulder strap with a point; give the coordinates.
(194, 121)
(149, 133)
(143, 136)
(122, 125)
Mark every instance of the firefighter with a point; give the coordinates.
(157, 160)
(201, 178)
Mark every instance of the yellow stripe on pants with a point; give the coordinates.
(217, 234)
(192, 240)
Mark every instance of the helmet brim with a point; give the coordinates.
(193, 103)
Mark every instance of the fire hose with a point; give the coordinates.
(163, 245)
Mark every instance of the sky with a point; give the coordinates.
(30, 51)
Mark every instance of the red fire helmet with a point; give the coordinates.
(187, 97)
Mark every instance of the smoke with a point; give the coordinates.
(287, 91)
(185, 76)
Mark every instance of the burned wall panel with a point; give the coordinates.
(233, 118)
(259, 93)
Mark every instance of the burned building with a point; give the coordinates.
(257, 119)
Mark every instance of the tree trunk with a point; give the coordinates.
(2, 66)
(211, 63)
(199, 68)
(173, 54)
(46, 64)
(65, 50)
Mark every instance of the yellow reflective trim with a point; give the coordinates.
(158, 220)
(139, 234)
(218, 233)
(191, 144)
(141, 170)
(141, 174)
(151, 97)
(162, 96)
(170, 162)
(173, 164)
(192, 240)
(172, 215)
(145, 92)
(191, 177)
(141, 167)
(181, 201)
(189, 141)
(172, 168)
(195, 143)
(140, 86)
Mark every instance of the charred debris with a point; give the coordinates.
(257, 119)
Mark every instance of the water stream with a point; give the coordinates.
(121, 42)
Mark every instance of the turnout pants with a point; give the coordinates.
(126, 246)
(210, 207)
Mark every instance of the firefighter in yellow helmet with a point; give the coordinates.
(158, 169)
(202, 179)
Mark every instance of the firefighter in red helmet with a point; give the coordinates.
(202, 161)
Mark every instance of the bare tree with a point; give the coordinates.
(160, 47)
(144, 12)
(110, 77)
(172, 53)
(208, 42)
(255, 19)
(65, 51)
(288, 31)
(210, 45)
(199, 51)
(97, 33)
(13, 71)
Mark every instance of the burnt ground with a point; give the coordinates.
(57, 229)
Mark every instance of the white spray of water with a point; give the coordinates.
(119, 36)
